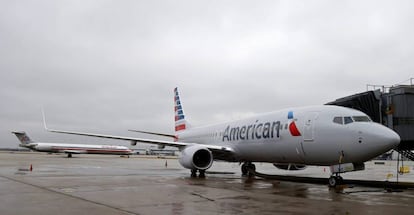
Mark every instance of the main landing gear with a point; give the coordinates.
(202, 173)
(248, 169)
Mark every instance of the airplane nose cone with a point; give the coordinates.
(393, 138)
(389, 138)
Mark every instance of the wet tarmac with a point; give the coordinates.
(99, 184)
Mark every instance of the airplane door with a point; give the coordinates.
(309, 127)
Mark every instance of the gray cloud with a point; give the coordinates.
(108, 66)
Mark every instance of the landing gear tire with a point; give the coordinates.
(202, 173)
(335, 180)
(248, 169)
(244, 170)
(193, 173)
(252, 170)
(69, 155)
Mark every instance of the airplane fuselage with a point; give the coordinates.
(307, 135)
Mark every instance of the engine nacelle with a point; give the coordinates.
(196, 157)
(289, 166)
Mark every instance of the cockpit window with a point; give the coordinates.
(361, 119)
(348, 120)
(338, 120)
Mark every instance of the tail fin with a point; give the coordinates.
(180, 122)
(22, 136)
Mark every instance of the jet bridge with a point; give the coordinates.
(392, 106)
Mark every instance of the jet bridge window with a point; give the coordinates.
(338, 120)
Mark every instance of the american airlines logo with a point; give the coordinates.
(294, 131)
(259, 130)
(256, 130)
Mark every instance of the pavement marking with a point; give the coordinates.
(201, 196)
(68, 195)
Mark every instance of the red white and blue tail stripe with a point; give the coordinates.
(180, 122)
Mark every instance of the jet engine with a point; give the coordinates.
(289, 166)
(196, 157)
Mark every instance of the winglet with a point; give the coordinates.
(44, 119)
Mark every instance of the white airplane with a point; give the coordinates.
(70, 149)
(326, 135)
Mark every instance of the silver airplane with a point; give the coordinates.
(69, 148)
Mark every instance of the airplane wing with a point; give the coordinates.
(153, 133)
(219, 152)
(214, 148)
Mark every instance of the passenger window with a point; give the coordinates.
(338, 120)
(348, 120)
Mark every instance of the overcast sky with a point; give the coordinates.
(108, 66)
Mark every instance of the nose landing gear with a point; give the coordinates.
(333, 181)
(336, 170)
